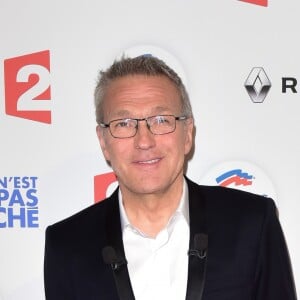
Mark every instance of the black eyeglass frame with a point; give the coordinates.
(107, 125)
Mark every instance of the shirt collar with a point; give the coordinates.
(182, 209)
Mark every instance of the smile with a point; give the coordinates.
(149, 162)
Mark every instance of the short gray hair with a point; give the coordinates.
(142, 65)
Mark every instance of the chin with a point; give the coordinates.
(150, 189)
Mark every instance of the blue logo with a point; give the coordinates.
(19, 202)
(236, 177)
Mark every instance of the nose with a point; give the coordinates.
(144, 138)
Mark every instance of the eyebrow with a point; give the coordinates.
(124, 113)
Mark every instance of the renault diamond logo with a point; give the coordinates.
(258, 85)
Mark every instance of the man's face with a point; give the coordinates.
(145, 163)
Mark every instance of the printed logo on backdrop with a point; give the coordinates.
(235, 177)
(27, 87)
(160, 53)
(104, 185)
(258, 85)
(19, 202)
(257, 2)
(240, 175)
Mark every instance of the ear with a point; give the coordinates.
(189, 135)
(103, 142)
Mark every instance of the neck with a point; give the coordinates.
(150, 213)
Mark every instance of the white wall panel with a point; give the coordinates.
(215, 43)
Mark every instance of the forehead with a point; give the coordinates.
(141, 94)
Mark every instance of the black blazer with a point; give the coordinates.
(247, 254)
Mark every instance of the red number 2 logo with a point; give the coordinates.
(27, 87)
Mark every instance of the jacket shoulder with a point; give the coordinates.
(229, 200)
(86, 221)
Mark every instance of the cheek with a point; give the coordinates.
(117, 151)
(175, 148)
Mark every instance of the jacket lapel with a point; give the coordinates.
(114, 239)
(196, 265)
(113, 225)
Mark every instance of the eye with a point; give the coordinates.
(124, 123)
(162, 120)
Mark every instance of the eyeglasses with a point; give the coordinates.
(158, 125)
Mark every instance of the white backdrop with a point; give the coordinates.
(47, 167)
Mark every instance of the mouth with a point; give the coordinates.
(148, 162)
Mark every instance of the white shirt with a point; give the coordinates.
(158, 266)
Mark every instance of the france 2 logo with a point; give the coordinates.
(27, 86)
(257, 2)
(102, 184)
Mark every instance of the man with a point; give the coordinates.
(161, 236)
